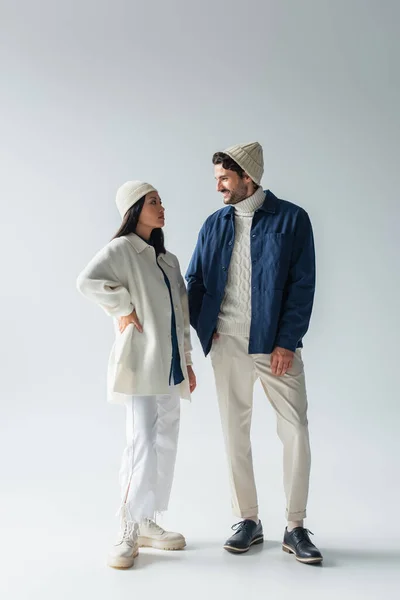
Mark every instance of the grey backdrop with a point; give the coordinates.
(97, 92)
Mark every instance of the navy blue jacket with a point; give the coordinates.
(283, 275)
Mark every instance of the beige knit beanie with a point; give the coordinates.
(250, 158)
(129, 193)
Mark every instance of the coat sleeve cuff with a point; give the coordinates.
(286, 343)
(119, 312)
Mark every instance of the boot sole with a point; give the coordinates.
(307, 561)
(233, 550)
(145, 542)
(122, 563)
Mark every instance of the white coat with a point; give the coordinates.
(125, 276)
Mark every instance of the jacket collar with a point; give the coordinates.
(269, 206)
(167, 258)
(137, 242)
(140, 245)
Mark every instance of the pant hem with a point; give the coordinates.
(296, 516)
(131, 516)
(245, 514)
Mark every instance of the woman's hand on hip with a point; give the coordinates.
(192, 379)
(123, 322)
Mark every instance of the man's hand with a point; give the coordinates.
(123, 322)
(192, 379)
(215, 336)
(281, 361)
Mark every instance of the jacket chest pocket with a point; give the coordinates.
(276, 255)
(276, 247)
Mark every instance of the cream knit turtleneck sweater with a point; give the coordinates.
(235, 312)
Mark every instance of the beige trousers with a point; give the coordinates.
(235, 373)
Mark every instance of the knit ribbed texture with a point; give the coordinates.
(235, 312)
(250, 158)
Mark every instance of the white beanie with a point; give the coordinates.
(131, 192)
(250, 158)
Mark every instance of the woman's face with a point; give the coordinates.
(152, 214)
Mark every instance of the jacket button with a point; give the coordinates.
(253, 235)
(224, 268)
(230, 243)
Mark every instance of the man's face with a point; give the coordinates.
(233, 188)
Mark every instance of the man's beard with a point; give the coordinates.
(236, 196)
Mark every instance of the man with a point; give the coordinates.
(251, 285)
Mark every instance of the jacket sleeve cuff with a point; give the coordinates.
(119, 312)
(188, 359)
(286, 343)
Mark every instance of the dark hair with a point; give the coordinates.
(220, 158)
(129, 225)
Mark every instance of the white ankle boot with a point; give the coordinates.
(126, 548)
(154, 536)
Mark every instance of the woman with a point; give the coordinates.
(138, 283)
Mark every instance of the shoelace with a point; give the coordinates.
(241, 525)
(307, 531)
(303, 534)
(128, 532)
(153, 525)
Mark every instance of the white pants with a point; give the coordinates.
(235, 373)
(148, 462)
